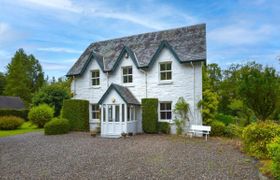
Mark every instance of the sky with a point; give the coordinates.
(57, 32)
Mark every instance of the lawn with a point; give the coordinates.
(25, 128)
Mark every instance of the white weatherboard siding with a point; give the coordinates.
(182, 84)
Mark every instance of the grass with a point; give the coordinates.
(24, 128)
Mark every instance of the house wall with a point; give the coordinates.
(183, 83)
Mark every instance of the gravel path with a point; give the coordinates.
(80, 156)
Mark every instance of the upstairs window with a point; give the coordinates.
(165, 111)
(127, 74)
(165, 71)
(95, 111)
(95, 78)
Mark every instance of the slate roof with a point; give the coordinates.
(124, 92)
(189, 44)
(11, 102)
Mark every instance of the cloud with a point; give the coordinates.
(60, 50)
(66, 5)
(7, 34)
(240, 35)
(152, 16)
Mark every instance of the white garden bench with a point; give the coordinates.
(199, 129)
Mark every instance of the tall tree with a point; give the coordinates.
(2, 83)
(260, 89)
(24, 76)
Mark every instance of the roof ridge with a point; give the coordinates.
(165, 30)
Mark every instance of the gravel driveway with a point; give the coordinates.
(80, 156)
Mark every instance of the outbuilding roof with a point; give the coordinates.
(124, 92)
(11, 102)
(187, 43)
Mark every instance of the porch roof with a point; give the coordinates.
(124, 93)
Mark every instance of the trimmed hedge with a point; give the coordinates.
(150, 115)
(10, 122)
(57, 126)
(40, 115)
(14, 112)
(164, 127)
(77, 112)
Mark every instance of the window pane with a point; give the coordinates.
(162, 76)
(162, 67)
(104, 113)
(168, 115)
(162, 115)
(117, 113)
(162, 106)
(110, 113)
(124, 71)
(128, 113)
(168, 75)
(168, 66)
(130, 79)
(168, 106)
(97, 73)
(97, 81)
(122, 112)
(130, 70)
(125, 79)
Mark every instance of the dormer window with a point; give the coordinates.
(165, 71)
(127, 74)
(95, 78)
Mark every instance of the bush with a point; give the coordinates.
(274, 153)
(77, 112)
(10, 122)
(150, 115)
(226, 119)
(164, 127)
(57, 126)
(14, 112)
(217, 128)
(256, 136)
(233, 130)
(40, 115)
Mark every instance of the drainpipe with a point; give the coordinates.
(107, 79)
(146, 84)
(194, 114)
(74, 86)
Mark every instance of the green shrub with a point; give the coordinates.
(23, 113)
(256, 136)
(226, 119)
(150, 115)
(164, 127)
(10, 122)
(40, 115)
(57, 126)
(217, 128)
(274, 153)
(233, 130)
(77, 112)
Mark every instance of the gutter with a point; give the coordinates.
(194, 114)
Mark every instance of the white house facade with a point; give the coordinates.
(114, 76)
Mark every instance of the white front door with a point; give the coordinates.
(112, 121)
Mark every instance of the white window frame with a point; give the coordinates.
(127, 75)
(165, 71)
(165, 120)
(95, 78)
(95, 111)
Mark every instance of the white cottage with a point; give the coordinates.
(114, 75)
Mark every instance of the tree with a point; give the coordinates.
(53, 95)
(260, 89)
(24, 76)
(2, 83)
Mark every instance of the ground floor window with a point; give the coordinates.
(95, 111)
(166, 111)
